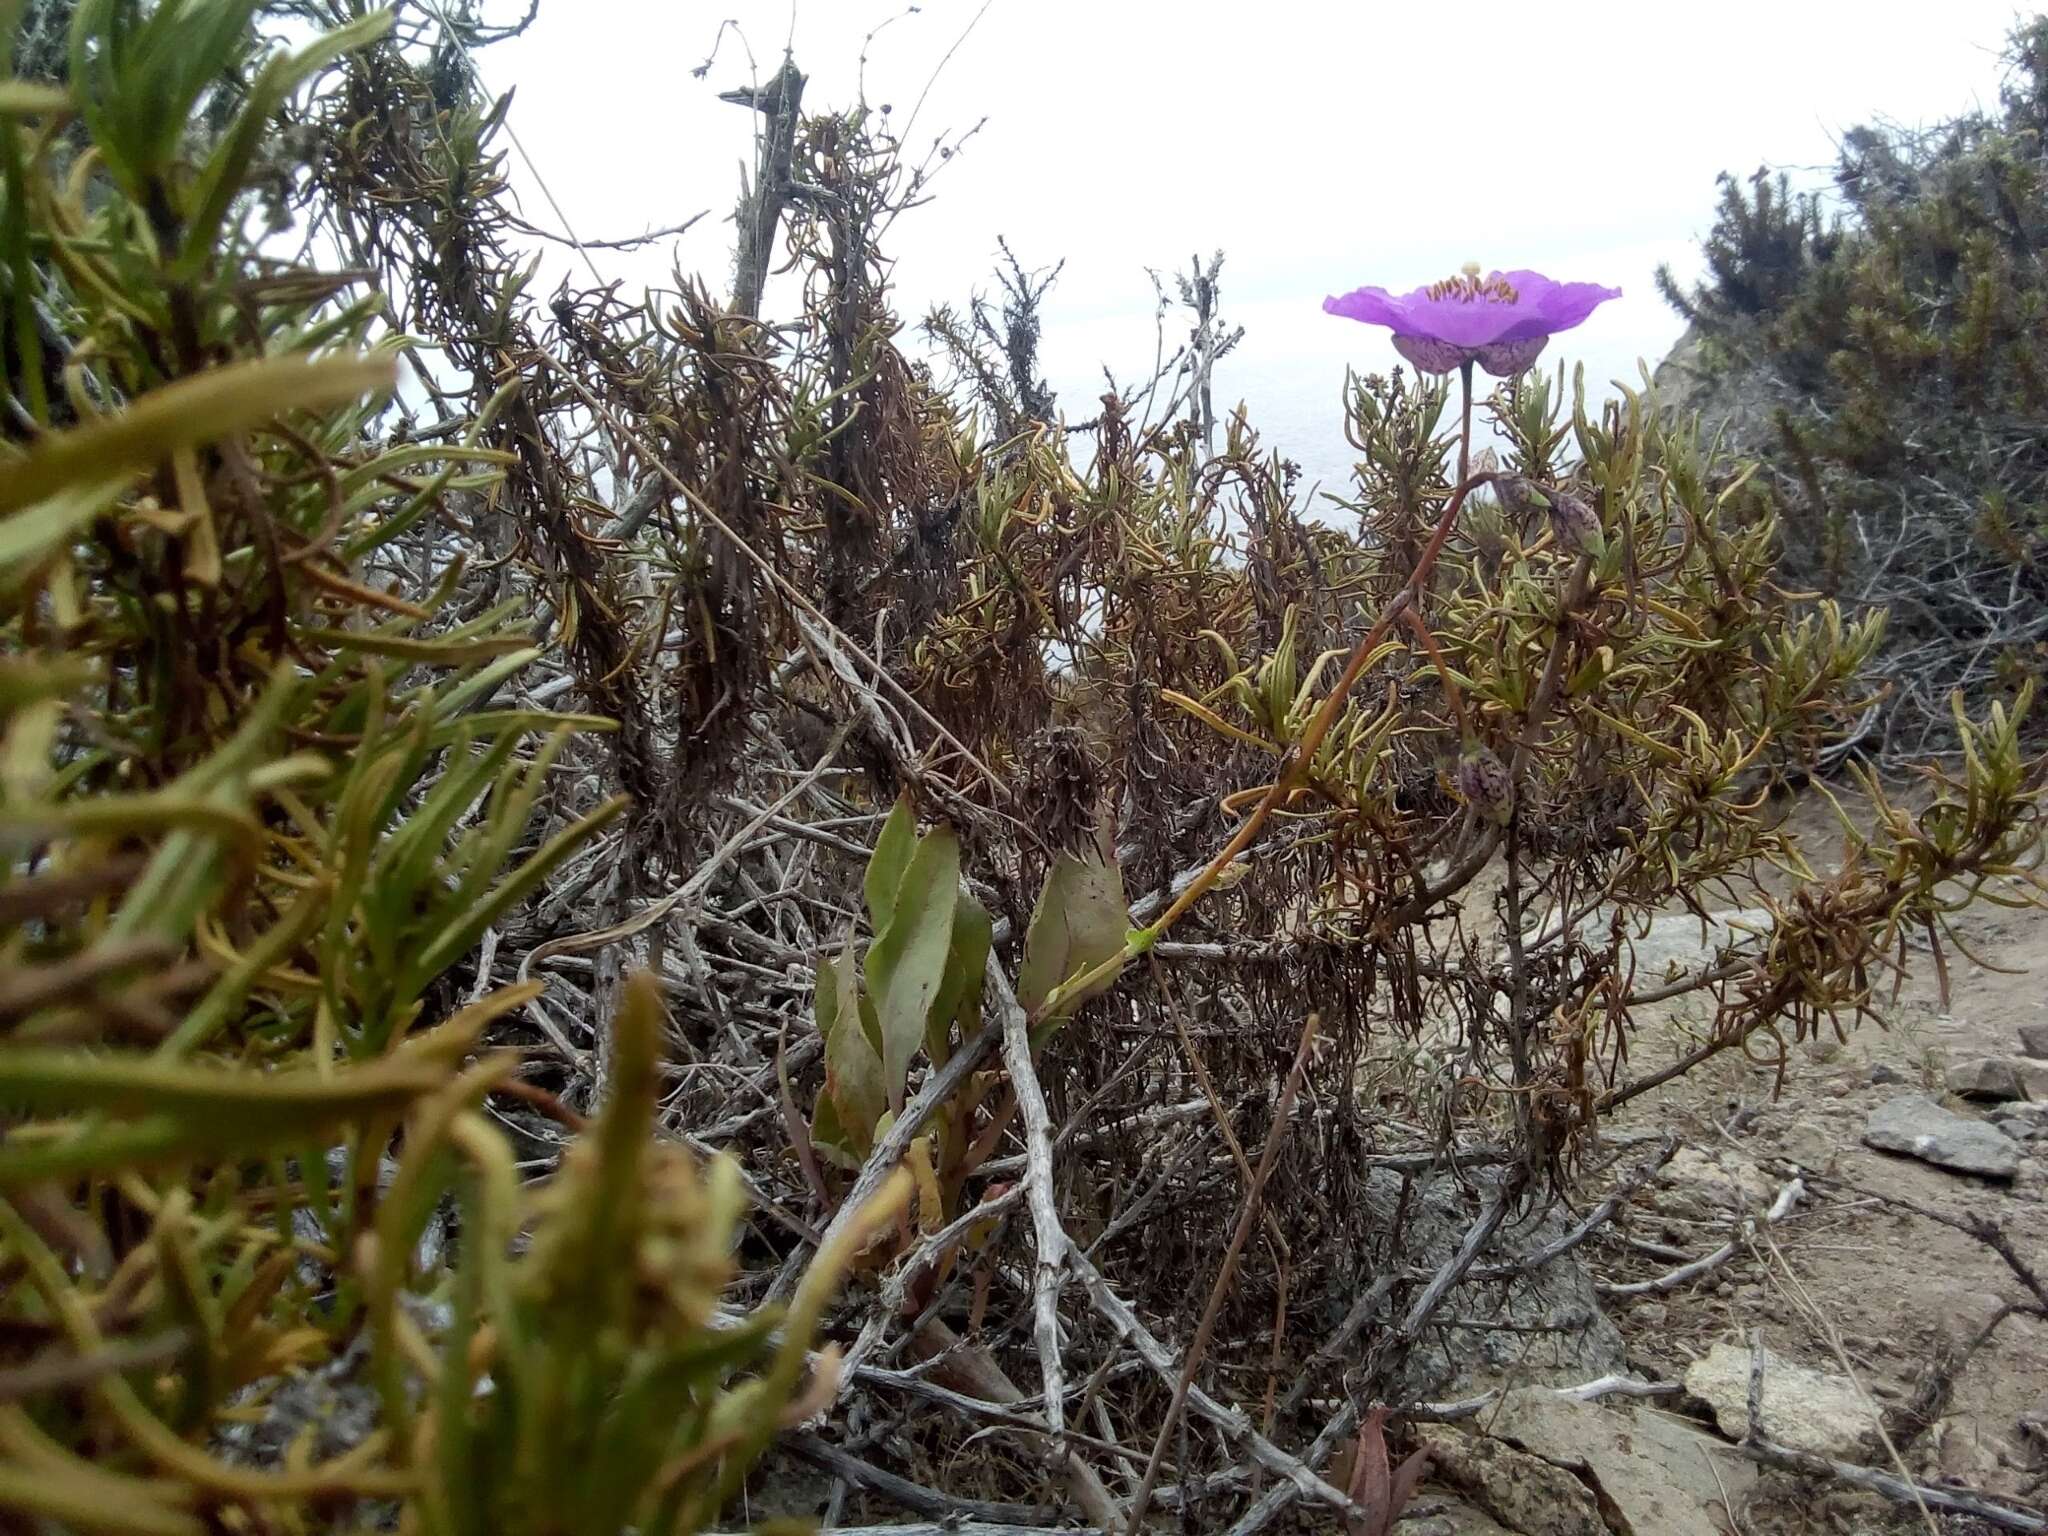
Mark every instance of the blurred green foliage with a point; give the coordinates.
(252, 811)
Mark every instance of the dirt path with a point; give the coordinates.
(1846, 1285)
(1862, 1293)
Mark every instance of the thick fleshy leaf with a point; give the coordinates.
(907, 962)
(960, 998)
(1371, 1483)
(829, 1139)
(888, 862)
(1079, 923)
(825, 1001)
(853, 1069)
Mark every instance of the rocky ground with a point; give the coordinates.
(1862, 1307)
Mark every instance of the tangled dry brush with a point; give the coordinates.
(597, 888)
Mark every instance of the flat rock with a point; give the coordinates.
(1806, 1409)
(1816, 1146)
(1965, 1451)
(1453, 1517)
(2033, 1421)
(1522, 1492)
(1917, 1126)
(1552, 1330)
(2000, 1077)
(2034, 1041)
(1674, 944)
(1652, 1471)
(1701, 1184)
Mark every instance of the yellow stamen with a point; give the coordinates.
(1469, 287)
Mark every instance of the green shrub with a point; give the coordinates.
(1883, 356)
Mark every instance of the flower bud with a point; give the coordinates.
(1430, 355)
(1575, 523)
(1518, 496)
(1482, 783)
(1511, 359)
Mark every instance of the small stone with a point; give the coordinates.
(1649, 1314)
(2033, 1421)
(1986, 1077)
(1882, 1075)
(2022, 1122)
(1697, 1183)
(1805, 1409)
(1917, 1126)
(2034, 1041)
(1965, 1452)
(1813, 1147)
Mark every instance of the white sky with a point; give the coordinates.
(1321, 146)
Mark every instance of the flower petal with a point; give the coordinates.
(1375, 306)
(1544, 307)
(1540, 307)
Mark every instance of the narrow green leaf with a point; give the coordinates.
(407, 648)
(29, 98)
(200, 409)
(450, 944)
(226, 170)
(36, 531)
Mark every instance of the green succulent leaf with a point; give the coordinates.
(906, 965)
(1079, 923)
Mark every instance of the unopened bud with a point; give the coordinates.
(1575, 523)
(1483, 783)
(1512, 359)
(1518, 495)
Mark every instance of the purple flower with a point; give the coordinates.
(1501, 322)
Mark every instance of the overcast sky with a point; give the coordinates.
(1321, 146)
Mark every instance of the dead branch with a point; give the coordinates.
(1686, 1274)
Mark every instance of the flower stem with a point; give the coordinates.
(1293, 769)
(1421, 630)
(1465, 422)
